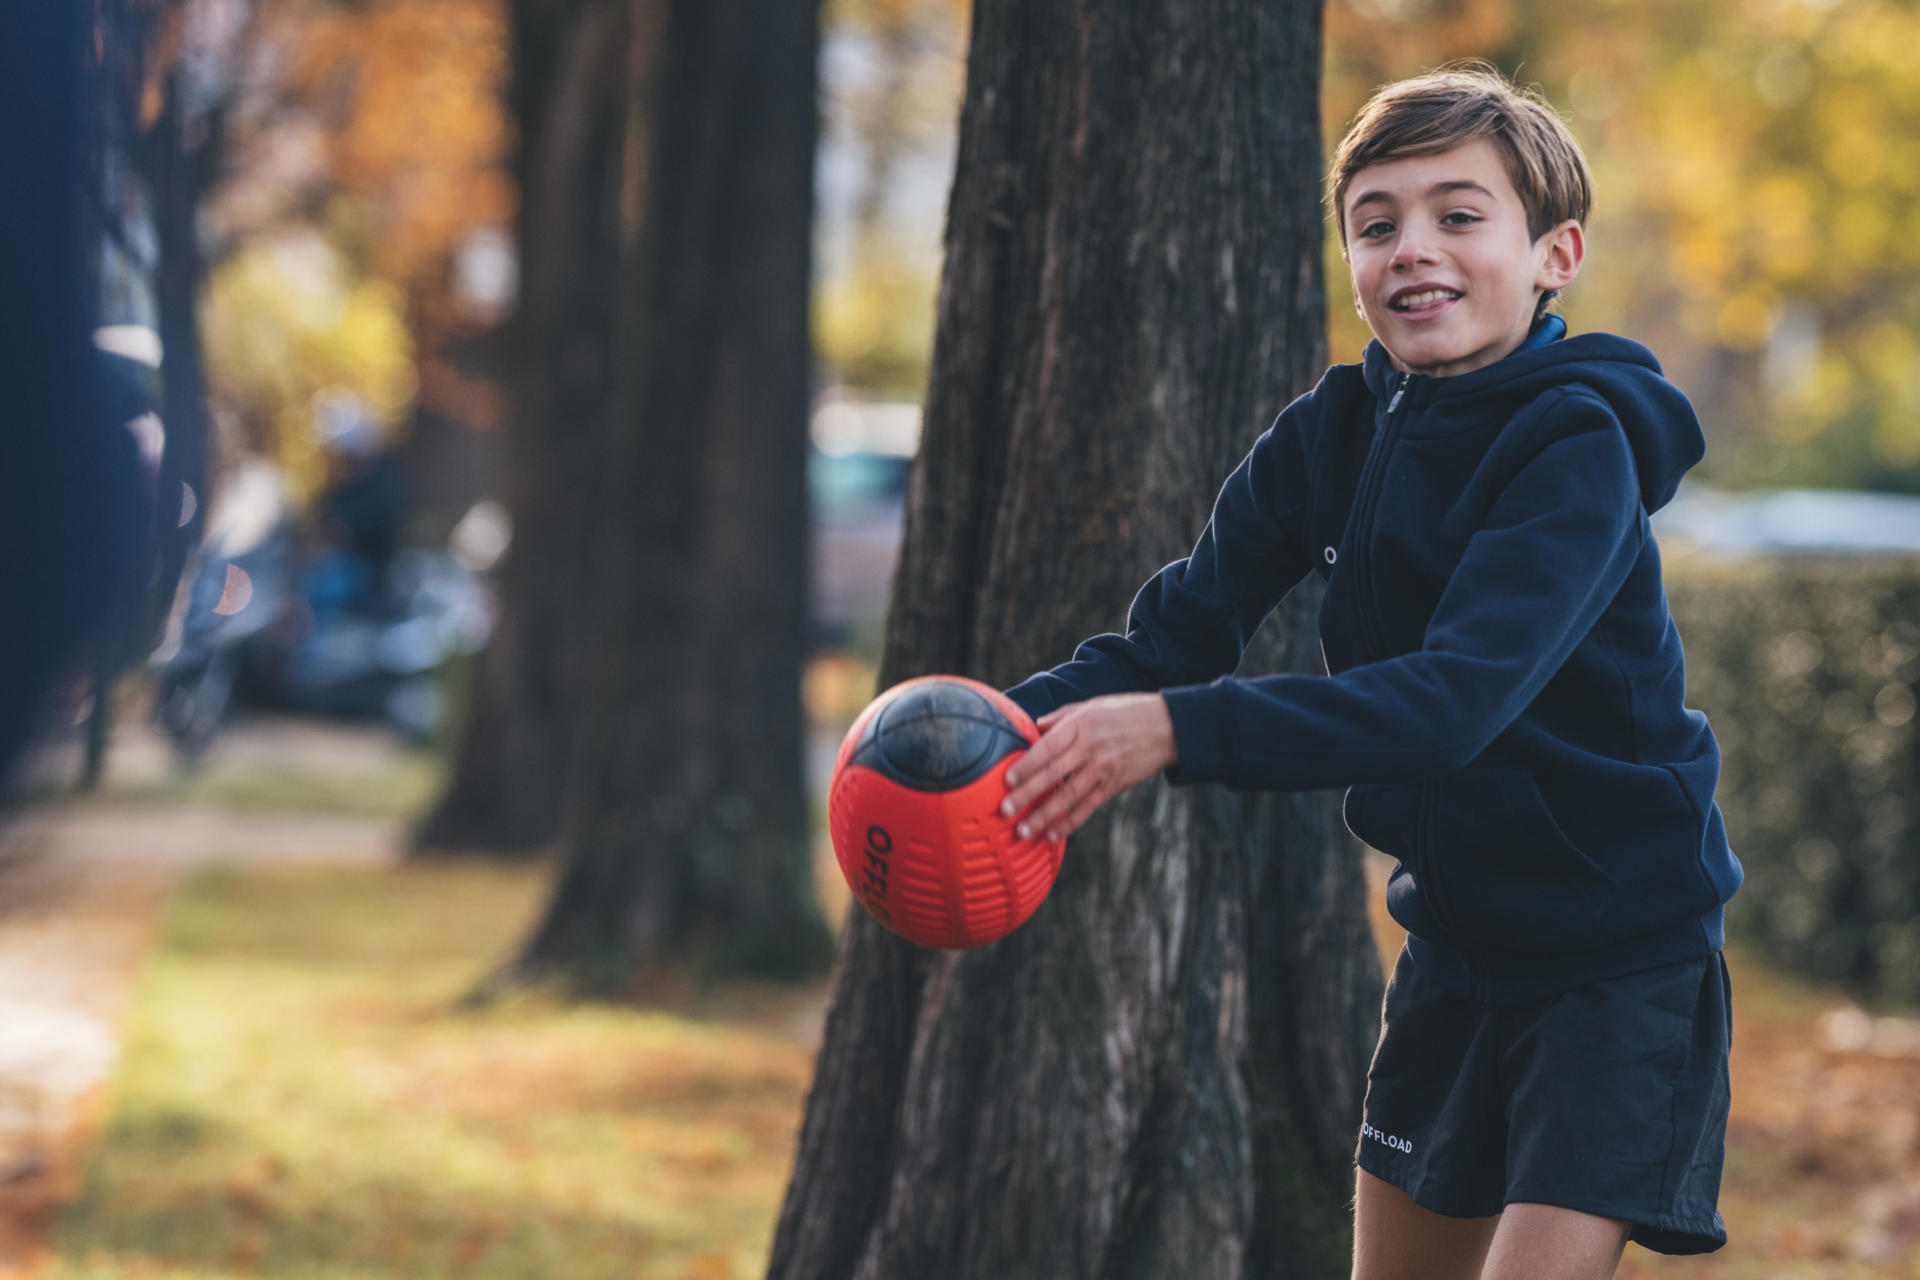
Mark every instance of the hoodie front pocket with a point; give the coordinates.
(1509, 878)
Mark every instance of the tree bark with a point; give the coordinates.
(685, 832)
(569, 102)
(1160, 1075)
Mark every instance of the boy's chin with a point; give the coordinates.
(1440, 359)
(1429, 359)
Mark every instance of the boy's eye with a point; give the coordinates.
(1460, 218)
(1374, 230)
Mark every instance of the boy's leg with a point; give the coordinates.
(1395, 1239)
(1547, 1242)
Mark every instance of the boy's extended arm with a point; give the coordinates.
(1554, 550)
(1193, 619)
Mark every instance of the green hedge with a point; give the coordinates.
(1808, 670)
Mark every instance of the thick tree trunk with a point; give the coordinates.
(569, 101)
(1160, 1075)
(686, 835)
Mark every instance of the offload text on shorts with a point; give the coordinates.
(1392, 1140)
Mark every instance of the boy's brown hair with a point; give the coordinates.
(1452, 106)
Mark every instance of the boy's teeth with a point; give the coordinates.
(1423, 299)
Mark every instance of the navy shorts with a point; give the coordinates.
(1610, 1098)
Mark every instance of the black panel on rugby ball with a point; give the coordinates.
(937, 737)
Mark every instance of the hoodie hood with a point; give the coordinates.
(1661, 426)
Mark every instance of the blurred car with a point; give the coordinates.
(1791, 522)
(857, 472)
(316, 632)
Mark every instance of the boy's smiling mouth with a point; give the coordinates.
(1421, 299)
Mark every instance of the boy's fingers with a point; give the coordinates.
(1031, 769)
(1043, 790)
(1067, 814)
(1050, 818)
(1076, 798)
(1053, 787)
(1032, 761)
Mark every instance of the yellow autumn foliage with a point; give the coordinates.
(1753, 161)
(286, 323)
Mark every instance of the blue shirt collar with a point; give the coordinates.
(1548, 328)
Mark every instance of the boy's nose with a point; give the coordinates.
(1412, 251)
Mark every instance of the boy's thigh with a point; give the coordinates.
(1547, 1242)
(1395, 1239)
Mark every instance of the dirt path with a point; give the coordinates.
(81, 894)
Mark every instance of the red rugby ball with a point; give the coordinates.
(914, 812)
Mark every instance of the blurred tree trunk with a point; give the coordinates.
(179, 156)
(568, 99)
(684, 833)
(1161, 1074)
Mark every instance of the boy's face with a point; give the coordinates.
(1444, 271)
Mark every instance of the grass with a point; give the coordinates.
(299, 1099)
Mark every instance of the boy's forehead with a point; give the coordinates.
(1408, 178)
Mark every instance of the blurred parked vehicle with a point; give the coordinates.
(1792, 522)
(321, 633)
(381, 659)
(857, 472)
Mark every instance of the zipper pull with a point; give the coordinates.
(1399, 390)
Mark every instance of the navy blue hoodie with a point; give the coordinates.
(1505, 689)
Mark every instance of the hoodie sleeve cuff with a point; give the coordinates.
(1031, 696)
(1202, 723)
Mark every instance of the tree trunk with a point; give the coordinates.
(686, 835)
(1161, 1074)
(568, 98)
(179, 156)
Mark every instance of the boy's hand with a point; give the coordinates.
(1087, 754)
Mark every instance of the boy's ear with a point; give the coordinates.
(1566, 249)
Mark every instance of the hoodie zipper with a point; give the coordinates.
(1371, 481)
(1427, 829)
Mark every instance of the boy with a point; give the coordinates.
(1504, 698)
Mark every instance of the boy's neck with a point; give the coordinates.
(1546, 329)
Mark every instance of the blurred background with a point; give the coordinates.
(306, 789)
